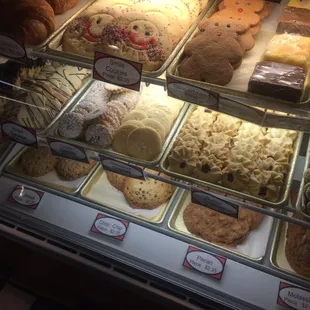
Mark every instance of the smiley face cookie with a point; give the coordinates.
(253, 5)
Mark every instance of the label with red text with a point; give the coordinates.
(205, 262)
(117, 71)
(110, 226)
(25, 196)
(293, 297)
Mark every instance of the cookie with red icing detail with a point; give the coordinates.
(253, 5)
(240, 13)
(241, 26)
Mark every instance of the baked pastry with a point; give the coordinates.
(219, 228)
(297, 248)
(183, 160)
(33, 20)
(295, 20)
(218, 43)
(289, 49)
(70, 170)
(299, 4)
(144, 31)
(61, 6)
(208, 169)
(117, 180)
(236, 176)
(47, 92)
(307, 175)
(148, 194)
(71, 125)
(38, 162)
(281, 81)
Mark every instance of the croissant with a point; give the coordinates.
(61, 6)
(30, 20)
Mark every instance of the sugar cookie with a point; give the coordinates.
(120, 138)
(148, 122)
(144, 143)
(134, 115)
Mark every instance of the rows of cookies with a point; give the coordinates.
(286, 61)
(145, 31)
(221, 149)
(223, 39)
(46, 89)
(129, 123)
(40, 162)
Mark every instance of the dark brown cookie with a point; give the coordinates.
(38, 162)
(217, 43)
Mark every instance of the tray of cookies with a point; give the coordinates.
(259, 52)
(148, 200)
(290, 249)
(38, 20)
(131, 126)
(247, 235)
(40, 94)
(233, 156)
(303, 198)
(150, 32)
(41, 167)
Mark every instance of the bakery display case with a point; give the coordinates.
(184, 170)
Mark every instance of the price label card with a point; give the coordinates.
(110, 226)
(293, 297)
(12, 48)
(117, 71)
(210, 201)
(193, 94)
(119, 167)
(19, 134)
(67, 150)
(25, 196)
(205, 262)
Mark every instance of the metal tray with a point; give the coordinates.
(301, 200)
(244, 96)
(277, 257)
(176, 224)
(13, 168)
(54, 47)
(53, 132)
(285, 190)
(112, 198)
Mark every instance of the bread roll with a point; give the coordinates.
(61, 6)
(29, 20)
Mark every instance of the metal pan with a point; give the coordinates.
(50, 180)
(53, 132)
(112, 198)
(235, 94)
(301, 199)
(285, 190)
(54, 47)
(277, 257)
(176, 223)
